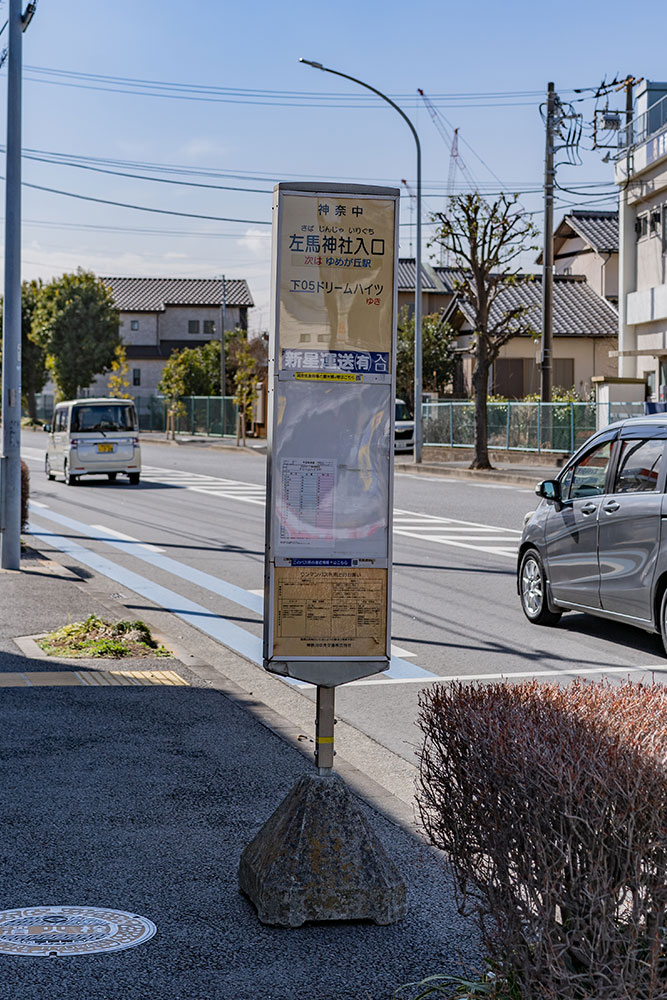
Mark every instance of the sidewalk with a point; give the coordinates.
(140, 798)
(518, 473)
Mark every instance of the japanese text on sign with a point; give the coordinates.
(337, 280)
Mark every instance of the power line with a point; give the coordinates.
(187, 91)
(144, 208)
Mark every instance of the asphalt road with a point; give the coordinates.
(456, 613)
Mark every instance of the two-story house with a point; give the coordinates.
(584, 334)
(641, 174)
(586, 243)
(161, 315)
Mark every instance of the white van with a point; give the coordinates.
(91, 437)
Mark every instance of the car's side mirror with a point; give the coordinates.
(549, 490)
(46, 427)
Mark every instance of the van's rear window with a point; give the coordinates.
(107, 417)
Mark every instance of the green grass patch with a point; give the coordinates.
(97, 637)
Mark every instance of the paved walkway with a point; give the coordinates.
(140, 797)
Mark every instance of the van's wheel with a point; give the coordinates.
(663, 620)
(533, 591)
(47, 468)
(111, 476)
(69, 478)
(134, 478)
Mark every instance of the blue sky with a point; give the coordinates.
(252, 140)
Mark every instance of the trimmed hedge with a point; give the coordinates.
(551, 804)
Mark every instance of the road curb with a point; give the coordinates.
(477, 475)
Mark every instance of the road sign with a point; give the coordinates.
(331, 432)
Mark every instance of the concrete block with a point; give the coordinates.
(317, 858)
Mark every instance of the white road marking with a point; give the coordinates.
(126, 538)
(237, 638)
(411, 524)
(36, 503)
(399, 651)
(447, 678)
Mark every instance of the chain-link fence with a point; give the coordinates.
(209, 415)
(560, 427)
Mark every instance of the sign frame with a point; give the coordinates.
(325, 670)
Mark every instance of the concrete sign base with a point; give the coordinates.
(317, 858)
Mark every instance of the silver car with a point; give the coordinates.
(595, 542)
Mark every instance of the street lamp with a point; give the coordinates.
(418, 257)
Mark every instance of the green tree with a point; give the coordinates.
(245, 385)
(76, 324)
(119, 382)
(438, 343)
(486, 240)
(33, 359)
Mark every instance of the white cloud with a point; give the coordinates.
(257, 241)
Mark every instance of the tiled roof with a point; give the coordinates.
(599, 229)
(406, 274)
(577, 310)
(155, 294)
(447, 276)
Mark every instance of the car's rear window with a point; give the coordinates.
(103, 417)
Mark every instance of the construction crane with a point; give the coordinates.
(450, 136)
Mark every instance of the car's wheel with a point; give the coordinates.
(48, 471)
(134, 478)
(111, 476)
(663, 620)
(69, 478)
(533, 591)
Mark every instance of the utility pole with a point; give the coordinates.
(10, 471)
(548, 251)
(223, 359)
(628, 82)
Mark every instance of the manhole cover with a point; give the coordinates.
(70, 930)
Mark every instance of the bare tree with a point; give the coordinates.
(485, 240)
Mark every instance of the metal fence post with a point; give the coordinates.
(539, 427)
(208, 415)
(509, 410)
(451, 424)
(571, 427)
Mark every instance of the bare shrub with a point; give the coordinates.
(25, 495)
(551, 803)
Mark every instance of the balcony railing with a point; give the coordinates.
(644, 125)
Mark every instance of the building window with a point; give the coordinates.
(508, 378)
(641, 226)
(209, 327)
(651, 384)
(563, 373)
(134, 324)
(193, 326)
(136, 376)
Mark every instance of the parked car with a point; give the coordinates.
(596, 542)
(94, 437)
(404, 429)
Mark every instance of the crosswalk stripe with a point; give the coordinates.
(410, 524)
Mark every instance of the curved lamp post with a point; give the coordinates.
(418, 256)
